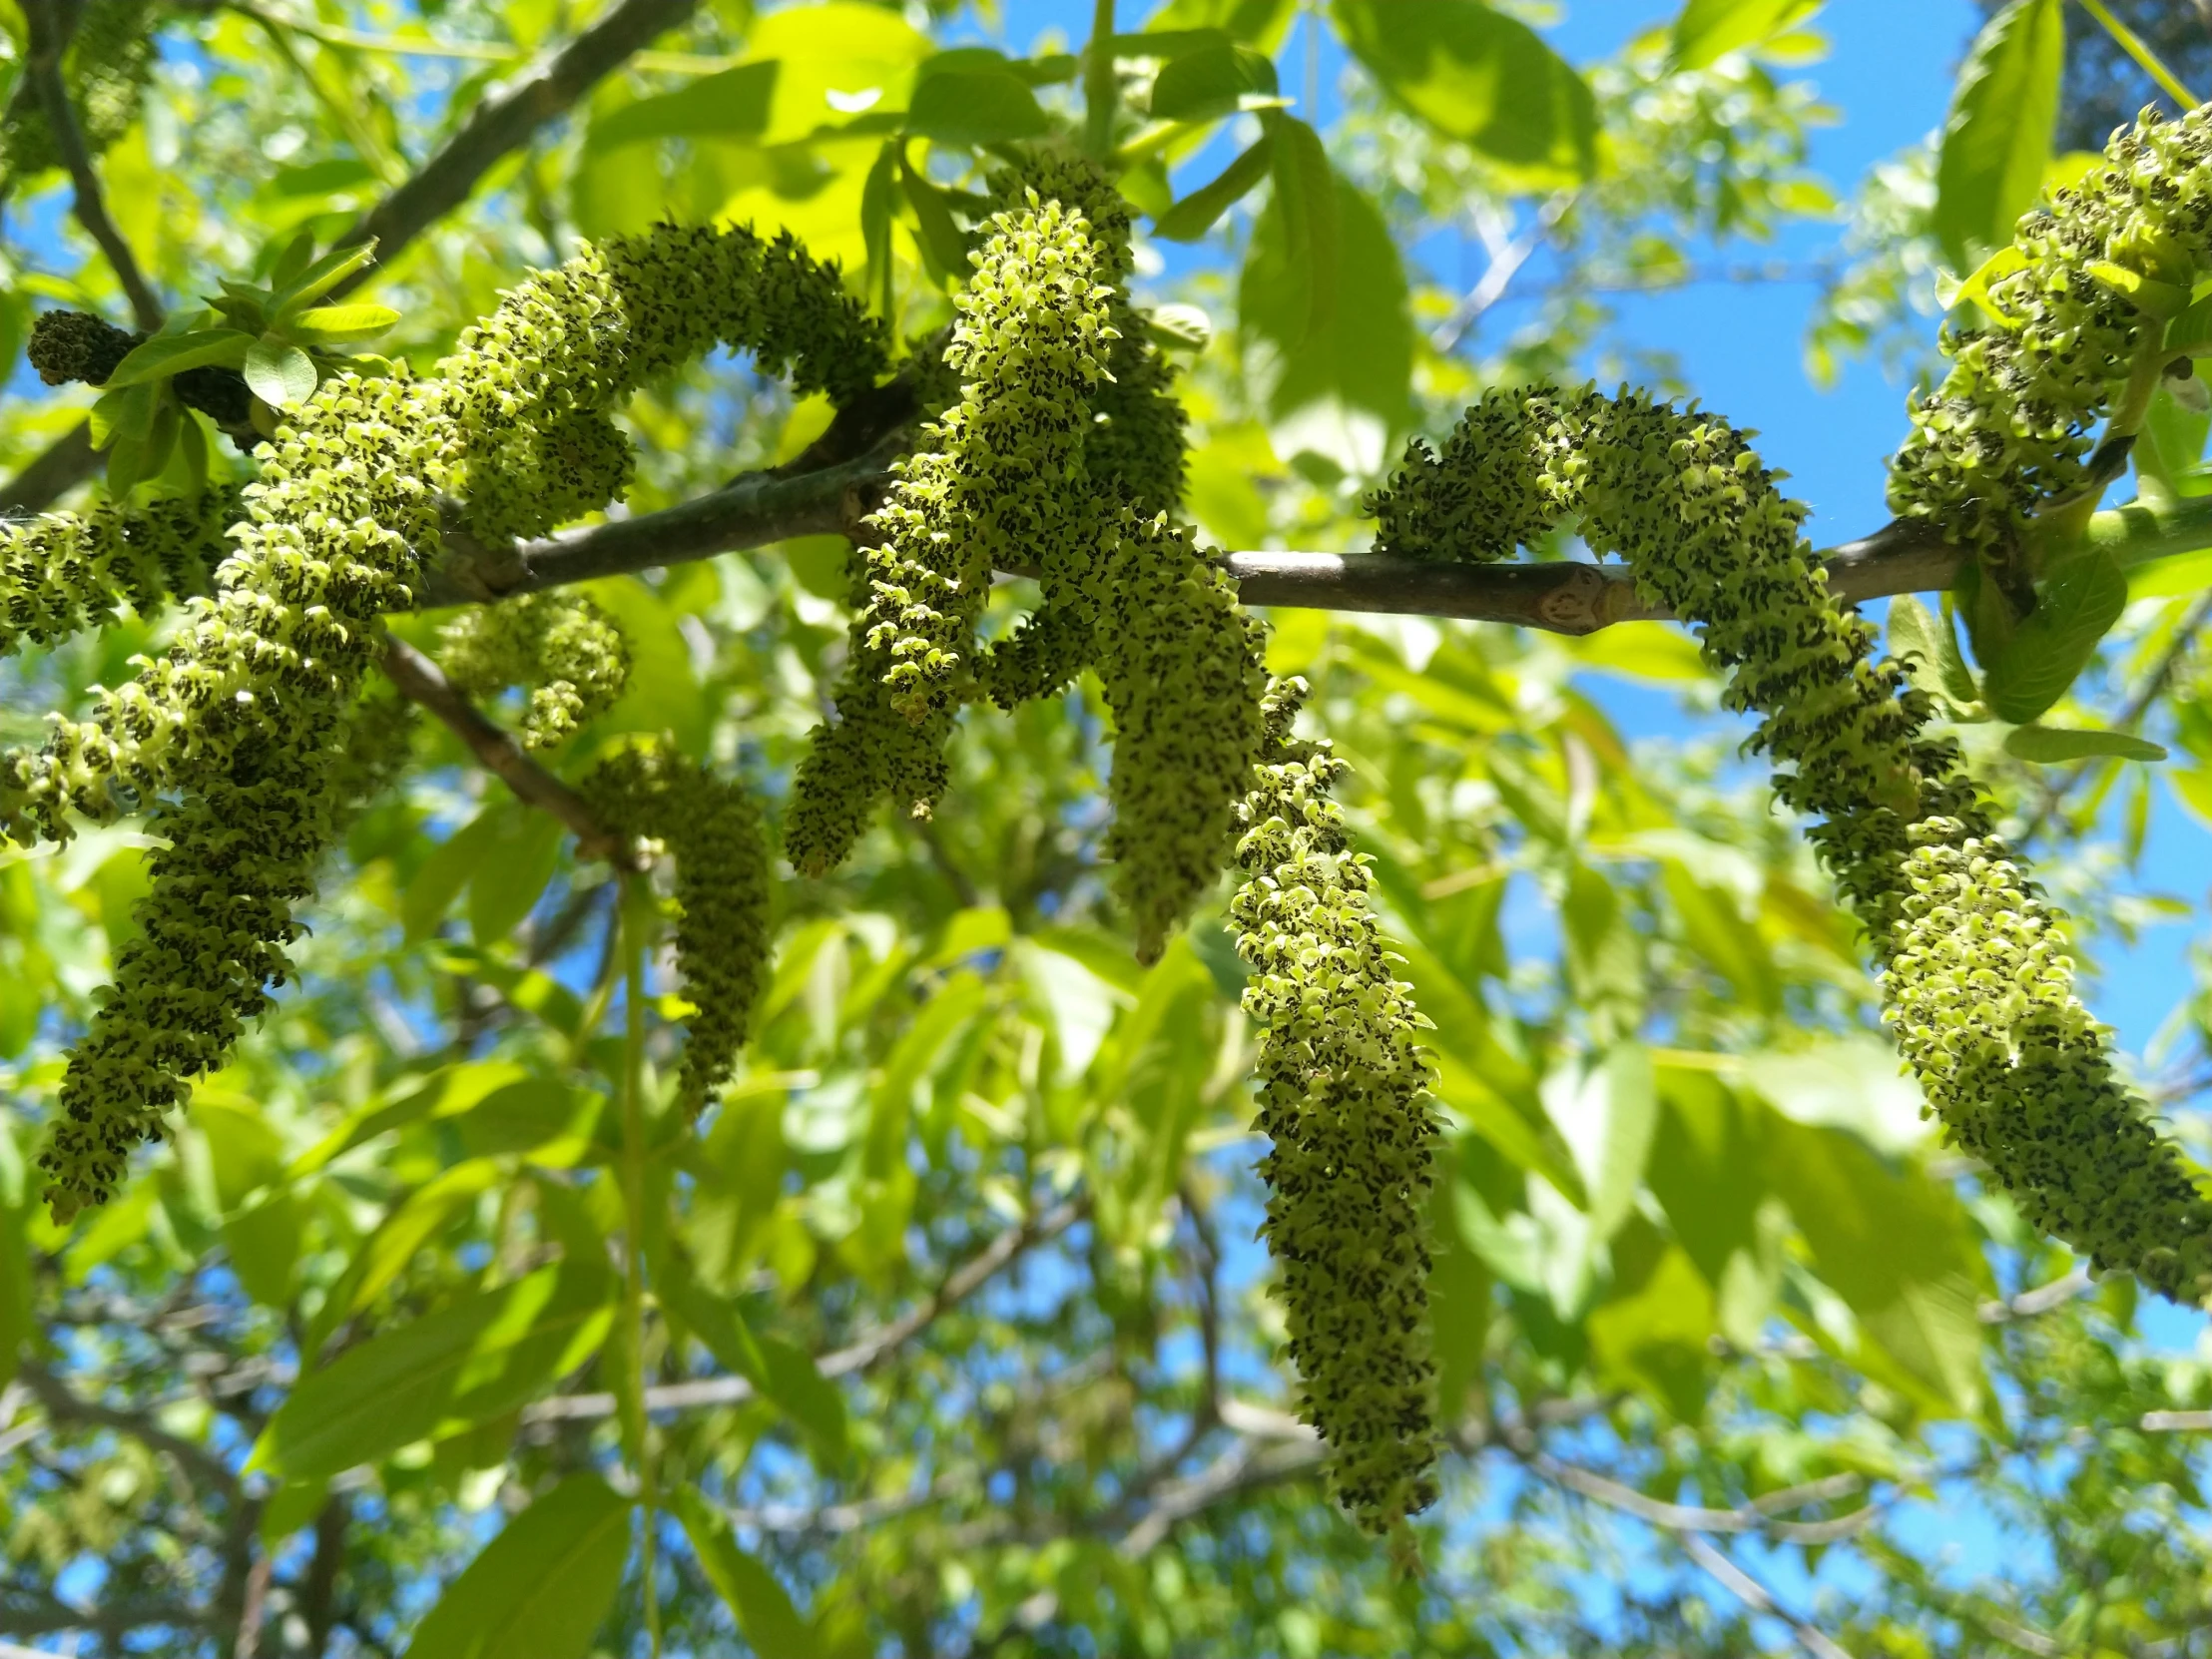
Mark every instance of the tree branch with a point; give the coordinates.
(49, 36)
(495, 747)
(1757, 1597)
(1564, 596)
(64, 1406)
(497, 125)
(961, 1282)
(505, 122)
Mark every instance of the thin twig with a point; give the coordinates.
(505, 122)
(420, 681)
(64, 1406)
(497, 125)
(1506, 264)
(49, 37)
(855, 1356)
(1757, 1597)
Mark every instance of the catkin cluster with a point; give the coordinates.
(232, 739)
(64, 572)
(1977, 985)
(1344, 1103)
(1021, 472)
(2012, 423)
(722, 934)
(566, 650)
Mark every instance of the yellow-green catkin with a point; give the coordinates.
(1344, 1103)
(64, 572)
(232, 735)
(2011, 424)
(995, 480)
(723, 943)
(1976, 976)
(1182, 669)
(568, 652)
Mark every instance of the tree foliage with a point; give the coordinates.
(1292, 1133)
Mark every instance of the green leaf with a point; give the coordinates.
(1482, 77)
(1708, 30)
(732, 104)
(1606, 1116)
(2190, 334)
(763, 1611)
(542, 1588)
(974, 106)
(280, 373)
(125, 413)
(319, 280)
(1930, 652)
(1257, 23)
(191, 444)
(1210, 83)
(1974, 288)
(413, 1222)
(483, 1353)
(262, 1242)
(336, 324)
(812, 1400)
(514, 872)
(1189, 219)
(714, 1320)
(1652, 1333)
(2169, 447)
(1997, 139)
(537, 1115)
(941, 239)
(1895, 1247)
(2149, 295)
(166, 354)
(2073, 611)
(450, 866)
(2054, 744)
(299, 253)
(1342, 389)
(1306, 202)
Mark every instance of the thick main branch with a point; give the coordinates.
(1559, 596)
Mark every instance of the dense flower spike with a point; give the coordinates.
(1344, 1102)
(242, 717)
(233, 736)
(1184, 675)
(2010, 426)
(565, 649)
(1979, 987)
(996, 481)
(65, 572)
(529, 389)
(722, 893)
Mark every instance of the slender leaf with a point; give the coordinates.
(2054, 744)
(1189, 219)
(483, 1353)
(542, 1588)
(762, 1607)
(1998, 137)
(336, 324)
(166, 354)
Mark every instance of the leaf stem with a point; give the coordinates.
(1100, 88)
(2133, 45)
(636, 929)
